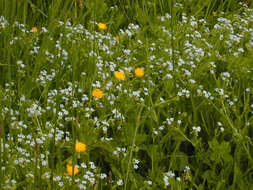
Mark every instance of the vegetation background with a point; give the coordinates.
(186, 124)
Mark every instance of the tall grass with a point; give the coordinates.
(183, 124)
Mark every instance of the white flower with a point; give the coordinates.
(170, 174)
(103, 175)
(120, 182)
(197, 129)
(149, 182)
(187, 168)
(83, 165)
(60, 184)
(166, 180)
(92, 165)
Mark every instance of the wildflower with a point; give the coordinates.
(97, 93)
(149, 182)
(166, 180)
(119, 75)
(80, 147)
(117, 38)
(139, 72)
(170, 174)
(102, 26)
(103, 175)
(35, 29)
(120, 182)
(196, 129)
(70, 168)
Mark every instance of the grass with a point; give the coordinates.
(185, 123)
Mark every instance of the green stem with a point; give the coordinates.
(172, 29)
(133, 144)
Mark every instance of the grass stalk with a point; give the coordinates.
(138, 121)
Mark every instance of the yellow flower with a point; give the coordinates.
(102, 26)
(35, 29)
(80, 147)
(97, 93)
(70, 168)
(117, 38)
(119, 75)
(139, 72)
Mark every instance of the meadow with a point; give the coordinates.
(119, 95)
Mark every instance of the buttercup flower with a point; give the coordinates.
(119, 75)
(35, 29)
(97, 93)
(117, 38)
(80, 147)
(70, 168)
(139, 72)
(102, 26)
